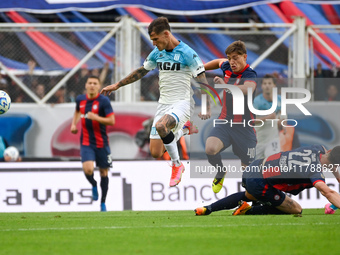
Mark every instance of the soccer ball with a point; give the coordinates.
(5, 102)
(12, 152)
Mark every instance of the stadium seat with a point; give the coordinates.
(14, 127)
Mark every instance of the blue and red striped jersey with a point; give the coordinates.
(295, 170)
(247, 74)
(92, 132)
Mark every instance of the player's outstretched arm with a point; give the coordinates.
(335, 172)
(214, 64)
(132, 77)
(246, 85)
(330, 194)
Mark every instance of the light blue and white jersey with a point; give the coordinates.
(260, 103)
(176, 68)
(267, 135)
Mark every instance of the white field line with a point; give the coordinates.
(170, 226)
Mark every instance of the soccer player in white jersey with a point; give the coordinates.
(267, 132)
(177, 63)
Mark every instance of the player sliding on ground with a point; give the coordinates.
(267, 180)
(177, 63)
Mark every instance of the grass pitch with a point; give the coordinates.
(168, 232)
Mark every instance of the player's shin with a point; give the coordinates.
(104, 185)
(216, 161)
(170, 145)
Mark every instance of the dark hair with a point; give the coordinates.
(334, 155)
(238, 46)
(93, 77)
(159, 25)
(269, 76)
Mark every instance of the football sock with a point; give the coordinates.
(228, 202)
(91, 180)
(216, 161)
(170, 145)
(263, 210)
(333, 207)
(104, 185)
(179, 134)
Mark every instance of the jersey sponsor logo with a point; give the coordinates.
(168, 66)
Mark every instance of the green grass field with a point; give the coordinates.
(168, 232)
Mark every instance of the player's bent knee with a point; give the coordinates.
(88, 171)
(103, 172)
(156, 153)
(211, 150)
(160, 127)
(297, 209)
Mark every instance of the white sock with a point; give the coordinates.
(173, 152)
(179, 134)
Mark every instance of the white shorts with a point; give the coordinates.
(180, 111)
(265, 150)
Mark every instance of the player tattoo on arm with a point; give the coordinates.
(134, 76)
(201, 78)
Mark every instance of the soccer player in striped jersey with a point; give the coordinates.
(268, 180)
(177, 64)
(95, 113)
(236, 132)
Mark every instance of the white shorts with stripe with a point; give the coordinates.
(180, 110)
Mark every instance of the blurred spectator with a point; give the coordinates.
(40, 90)
(335, 71)
(77, 83)
(70, 96)
(3, 85)
(280, 81)
(17, 94)
(59, 96)
(150, 89)
(102, 74)
(332, 93)
(319, 83)
(3, 81)
(29, 80)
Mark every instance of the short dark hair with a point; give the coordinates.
(269, 76)
(159, 25)
(334, 155)
(238, 46)
(93, 77)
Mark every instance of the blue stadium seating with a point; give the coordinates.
(14, 127)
